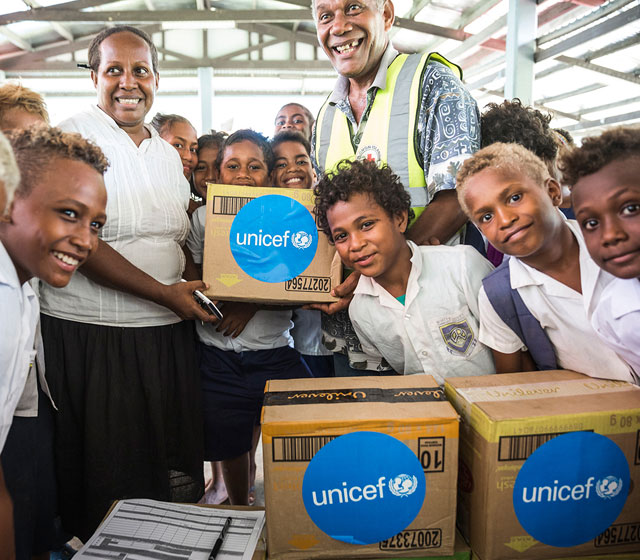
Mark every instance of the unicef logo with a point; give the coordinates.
(609, 487)
(348, 495)
(570, 489)
(403, 485)
(302, 240)
(273, 238)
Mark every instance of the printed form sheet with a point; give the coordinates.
(147, 529)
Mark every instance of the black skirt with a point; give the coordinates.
(129, 423)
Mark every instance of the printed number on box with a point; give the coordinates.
(431, 453)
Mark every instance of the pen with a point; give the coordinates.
(218, 545)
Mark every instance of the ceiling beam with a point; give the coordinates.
(430, 29)
(572, 93)
(537, 105)
(615, 119)
(58, 27)
(245, 65)
(626, 76)
(168, 52)
(612, 24)
(15, 39)
(587, 19)
(607, 106)
(158, 16)
(478, 38)
(280, 32)
(592, 55)
(246, 50)
(473, 13)
(11, 61)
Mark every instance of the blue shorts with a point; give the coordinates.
(233, 389)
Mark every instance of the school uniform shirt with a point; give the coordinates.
(562, 313)
(19, 310)
(436, 330)
(616, 319)
(147, 224)
(266, 330)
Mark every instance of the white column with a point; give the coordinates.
(522, 23)
(205, 95)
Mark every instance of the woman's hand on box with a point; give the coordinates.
(344, 291)
(236, 316)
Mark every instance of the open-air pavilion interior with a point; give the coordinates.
(229, 64)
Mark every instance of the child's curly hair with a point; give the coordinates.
(512, 122)
(35, 147)
(598, 151)
(360, 177)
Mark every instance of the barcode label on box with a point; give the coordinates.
(519, 448)
(229, 205)
(297, 448)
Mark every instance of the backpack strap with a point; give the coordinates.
(508, 304)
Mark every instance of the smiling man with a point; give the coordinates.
(409, 111)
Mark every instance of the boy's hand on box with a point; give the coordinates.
(236, 316)
(344, 291)
(179, 298)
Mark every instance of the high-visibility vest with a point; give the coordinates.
(389, 135)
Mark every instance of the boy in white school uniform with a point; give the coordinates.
(47, 231)
(533, 306)
(416, 307)
(605, 177)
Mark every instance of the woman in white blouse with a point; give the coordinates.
(120, 360)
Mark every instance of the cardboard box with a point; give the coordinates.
(263, 244)
(549, 465)
(369, 460)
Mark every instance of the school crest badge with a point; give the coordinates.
(458, 336)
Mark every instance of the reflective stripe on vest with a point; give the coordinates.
(389, 133)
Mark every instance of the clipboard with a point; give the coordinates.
(146, 528)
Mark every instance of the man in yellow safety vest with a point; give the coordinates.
(408, 111)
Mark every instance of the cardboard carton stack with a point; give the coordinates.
(359, 467)
(549, 465)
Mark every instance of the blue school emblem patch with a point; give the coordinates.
(458, 337)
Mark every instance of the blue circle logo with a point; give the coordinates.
(571, 489)
(273, 238)
(363, 488)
